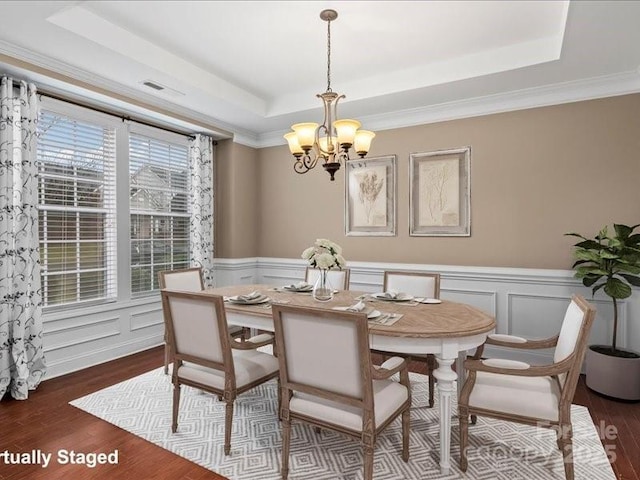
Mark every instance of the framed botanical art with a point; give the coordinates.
(440, 193)
(370, 197)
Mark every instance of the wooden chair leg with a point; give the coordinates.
(463, 418)
(176, 407)
(167, 354)
(566, 440)
(286, 442)
(406, 418)
(368, 462)
(228, 424)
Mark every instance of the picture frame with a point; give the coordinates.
(370, 196)
(440, 193)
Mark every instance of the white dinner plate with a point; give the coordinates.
(381, 296)
(373, 314)
(430, 300)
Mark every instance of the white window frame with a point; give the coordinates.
(162, 136)
(85, 115)
(122, 188)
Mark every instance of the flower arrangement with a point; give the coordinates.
(325, 255)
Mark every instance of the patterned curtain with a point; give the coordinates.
(201, 164)
(22, 364)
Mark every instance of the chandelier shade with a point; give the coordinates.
(331, 140)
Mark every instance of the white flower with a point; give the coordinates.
(324, 255)
(308, 253)
(325, 261)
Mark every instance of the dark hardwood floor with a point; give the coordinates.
(47, 422)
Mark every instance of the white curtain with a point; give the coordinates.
(201, 165)
(22, 364)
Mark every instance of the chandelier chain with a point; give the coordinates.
(329, 56)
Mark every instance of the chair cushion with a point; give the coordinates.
(250, 365)
(388, 397)
(536, 397)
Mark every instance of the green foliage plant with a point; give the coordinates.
(610, 262)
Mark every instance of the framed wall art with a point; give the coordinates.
(370, 197)
(440, 193)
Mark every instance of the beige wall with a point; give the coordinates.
(535, 174)
(237, 226)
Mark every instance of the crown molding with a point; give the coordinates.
(57, 70)
(567, 92)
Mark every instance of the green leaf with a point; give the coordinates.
(582, 254)
(579, 262)
(632, 279)
(591, 270)
(624, 267)
(622, 231)
(616, 288)
(608, 255)
(589, 281)
(633, 239)
(574, 235)
(589, 244)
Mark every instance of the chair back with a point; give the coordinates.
(573, 338)
(197, 327)
(186, 279)
(339, 279)
(323, 352)
(418, 284)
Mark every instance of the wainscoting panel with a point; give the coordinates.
(81, 337)
(526, 302)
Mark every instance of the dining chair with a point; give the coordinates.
(533, 395)
(342, 391)
(417, 284)
(339, 279)
(206, 357)
(188, 280)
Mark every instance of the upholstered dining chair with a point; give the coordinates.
(533, 395)
(206, 357)
(188, 280)
(339, 279)
(342, 391)
(418, 284)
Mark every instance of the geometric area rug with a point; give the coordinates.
(498, 450)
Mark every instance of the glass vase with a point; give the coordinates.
(322, 289)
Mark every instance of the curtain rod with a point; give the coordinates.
(113, 114)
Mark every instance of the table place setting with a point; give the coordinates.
(402, 298)
(374, 316)
(253, 298)
(300, 287)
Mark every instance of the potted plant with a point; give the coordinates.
(611, 262)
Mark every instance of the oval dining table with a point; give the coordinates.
(447, 330)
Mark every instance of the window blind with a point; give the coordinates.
(76, 163)
(160, 209)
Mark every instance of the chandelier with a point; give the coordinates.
(331, 141)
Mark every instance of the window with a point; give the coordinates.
(76, 190)
(159, 208)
